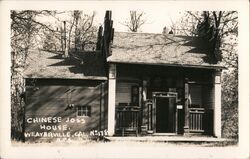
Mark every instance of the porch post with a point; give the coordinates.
(217, 103)
(111, 99)
(186, 123)
(144, 98)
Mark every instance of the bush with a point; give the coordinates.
(230, 104)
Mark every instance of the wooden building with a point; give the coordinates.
(72, 92)
(134, 83)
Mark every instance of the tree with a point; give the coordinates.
(77, 16)
(24, 29)
(51, 41)
(84, 34)
(135, 22)
(28, 30)
(219, 31)
(214, 29)
(212, 26)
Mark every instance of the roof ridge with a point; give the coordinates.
(138, 32)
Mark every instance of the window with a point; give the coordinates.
(135, 95)
(83, 110)
(195, 96)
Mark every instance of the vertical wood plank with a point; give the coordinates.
(145, 109)
(150, 116)
(217, 104)
(186, 123)
(202, 122)
(196, 121)
(111, 99)
(154, 115)
(101, 107)
(99, 38)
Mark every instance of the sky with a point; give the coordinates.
(155, 20)
(158, 13)
(156, 16)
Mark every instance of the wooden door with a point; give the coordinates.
(165, 114)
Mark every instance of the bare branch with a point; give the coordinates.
(197, 18)
(135, 22)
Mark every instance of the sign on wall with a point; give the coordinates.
(52, 112)
(50, 127)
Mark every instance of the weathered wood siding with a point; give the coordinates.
(202, 95)
(196, 95)
(165, 79)
(208, 102)
(47, 99)
(208, 96)
(123, 92)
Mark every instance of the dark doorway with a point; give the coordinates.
(165, 114)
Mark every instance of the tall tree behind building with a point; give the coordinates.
(135, 21)
(86, 32)
(219, 32)
(81, 31)
(24, 30)
(42, 29)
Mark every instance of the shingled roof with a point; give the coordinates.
(159, 49)
(131, 48)
(44, 64)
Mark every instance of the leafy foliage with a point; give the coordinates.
(230, 88)
(230, 105)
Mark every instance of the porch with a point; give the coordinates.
(171, 139)
(129, 122)
(161, 102)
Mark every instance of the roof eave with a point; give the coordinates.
(171, 65)
(74, 78)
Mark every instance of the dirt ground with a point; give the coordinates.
(122, 149)
(149, 143)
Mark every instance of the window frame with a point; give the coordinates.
(83, 111)
(135, 95)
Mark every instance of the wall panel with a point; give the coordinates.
(52, 101)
